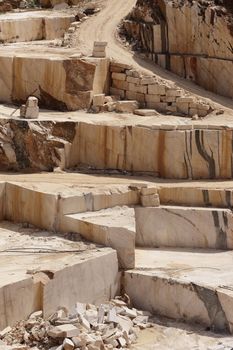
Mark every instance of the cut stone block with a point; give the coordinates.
(32, 102)
(152, 98)
(147, 80)
(119, 76)
(145, 112)
(184, 285)
(78, 79)
(131, 95)
(126, 106)
(98, 100)
(64, 331)
(112, 227)
(32, 112)
(31, 289)
(142, 89)
(145, 191)
(117, 92)
(173, 93)
(133, 80)
(99, 54)
(184, 227)
(120, 84)
(183, 107)
(157, 89)
(150, 200)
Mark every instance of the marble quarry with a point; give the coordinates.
(116, 175)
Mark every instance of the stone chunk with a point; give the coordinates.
(151, 200)
(148, 190)
(147, 80)
(156, 89)
(133, 80)
(32, 102)
(5, 331)
(31, 109)
(152, 98)
(63, 331)
(126, 106)
(174, 93)
(68, 344)
(138, 88)
(146, 112)
(112, 316)
(32, 112)
(99, 49)
(98, 100)
(80, 308)
(120, 84)
(36, 314)
(118, 76)
(185, 99)
(117, 92)
(84, 322)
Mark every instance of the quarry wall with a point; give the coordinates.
(190, 39)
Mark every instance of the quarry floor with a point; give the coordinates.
(68, 182)
(212, 121)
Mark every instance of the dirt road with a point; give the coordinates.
(102, 27)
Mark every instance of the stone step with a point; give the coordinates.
(185, 227)
(190, 285)
(41, 270)
(113, 227)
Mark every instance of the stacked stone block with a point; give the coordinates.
(129, 84)
(99, 49)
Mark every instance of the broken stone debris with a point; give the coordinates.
(113, 325)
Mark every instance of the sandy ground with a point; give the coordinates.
(171, 335)
(212, 121)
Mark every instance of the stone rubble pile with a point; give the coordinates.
(113, 325)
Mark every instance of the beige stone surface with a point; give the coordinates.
(168, 334)
(181, 284)
(92, 280)
(198, 151)
(112, 227)
(32, 281)
(33, 26)
(27, 205)
(40, 74)
(184, 227)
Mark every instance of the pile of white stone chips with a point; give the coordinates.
(112, 325)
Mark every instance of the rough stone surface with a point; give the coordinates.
(198, 41)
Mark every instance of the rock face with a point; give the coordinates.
(34, 145)
(184, 227)
(191, 38)
(196, 153)
(58, 81)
